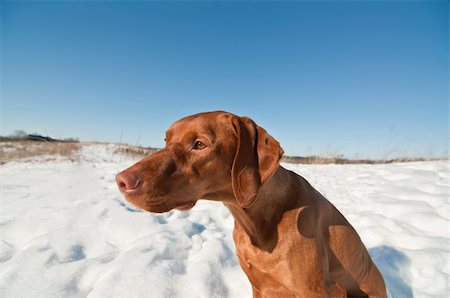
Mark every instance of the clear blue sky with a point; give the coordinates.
(358, 78)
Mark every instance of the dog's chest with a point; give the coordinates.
(277, 267)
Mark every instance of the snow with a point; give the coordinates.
(65, 230)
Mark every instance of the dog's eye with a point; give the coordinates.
(198, 145)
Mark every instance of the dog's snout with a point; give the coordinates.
(127, 181)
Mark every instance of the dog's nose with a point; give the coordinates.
(127, 181)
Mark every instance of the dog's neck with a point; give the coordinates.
(274, 198)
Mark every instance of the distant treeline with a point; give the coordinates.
(20, 135)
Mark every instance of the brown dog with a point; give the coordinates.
(290, 241)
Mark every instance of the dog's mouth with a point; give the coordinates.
(186, 207)
(159, 207)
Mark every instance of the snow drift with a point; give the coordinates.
(67, 232)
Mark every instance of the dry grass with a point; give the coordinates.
(338, 160)
(10, 151)
(16, 150)
(135, 151)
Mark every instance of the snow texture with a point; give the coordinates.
(66, 231)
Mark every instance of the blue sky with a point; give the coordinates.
(361, 79)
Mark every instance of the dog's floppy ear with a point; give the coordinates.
(256, 160)
(245, 177)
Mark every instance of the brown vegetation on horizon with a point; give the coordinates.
(16, 150)
(23, 149)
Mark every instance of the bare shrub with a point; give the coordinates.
(10, 151)
(135, 151)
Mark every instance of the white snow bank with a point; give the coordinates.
(401, 211)
(67, 232)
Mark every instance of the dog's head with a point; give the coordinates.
(214, 155)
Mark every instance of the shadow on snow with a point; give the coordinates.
(394, 265)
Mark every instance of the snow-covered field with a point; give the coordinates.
(65, 230)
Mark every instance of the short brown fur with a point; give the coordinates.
(290, 240)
